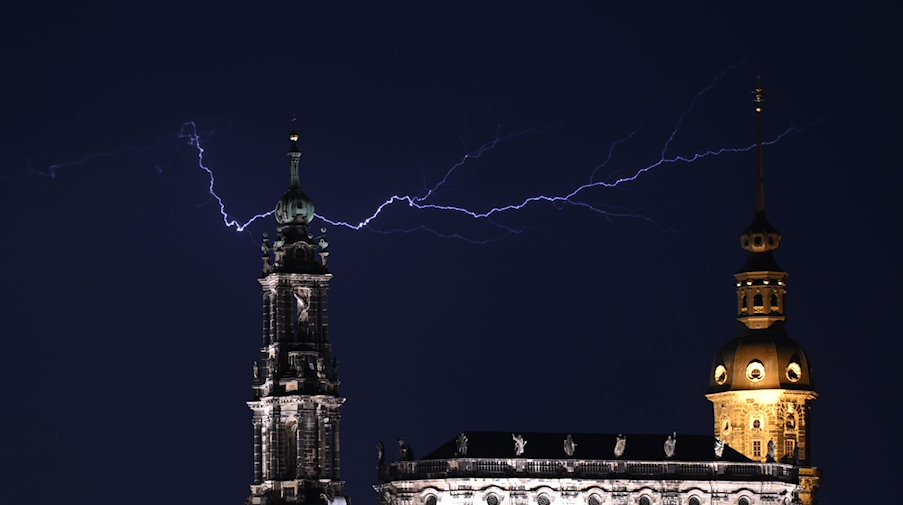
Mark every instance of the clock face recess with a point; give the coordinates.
(755, 371)
(794, 372)
(720, 374)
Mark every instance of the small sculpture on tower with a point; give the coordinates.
(461, 445)
(670, 445)
(519, 444)
(620, 445)
(404, 451)
(569, 445)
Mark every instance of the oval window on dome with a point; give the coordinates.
(794, 371)
(720, 374)
(755, 371)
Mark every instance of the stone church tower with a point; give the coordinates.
(760, 383)
(296, 397)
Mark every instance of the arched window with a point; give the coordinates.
(758, 301)
(291, 448)
(774, 302)
(693, 501)
(431, 500)
(644, 500)
(743, 501)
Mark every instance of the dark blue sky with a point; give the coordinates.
(131, 314)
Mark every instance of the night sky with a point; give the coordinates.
(131, 314)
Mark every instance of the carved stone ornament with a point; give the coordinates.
(719, 448)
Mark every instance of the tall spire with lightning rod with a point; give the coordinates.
(760, 155)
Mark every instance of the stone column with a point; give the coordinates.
(258, 451)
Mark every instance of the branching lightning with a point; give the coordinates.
(425, 200)
(189, 133)
(52, 170)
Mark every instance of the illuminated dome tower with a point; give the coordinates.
(296, 398)
(760, 382)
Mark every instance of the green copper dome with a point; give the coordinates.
(295, 207)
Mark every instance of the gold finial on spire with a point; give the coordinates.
(293, 136)
(759, 99)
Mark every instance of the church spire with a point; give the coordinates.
(294, 155)
(295, 248)
(760, 156)
(761, 283)
(760, 236)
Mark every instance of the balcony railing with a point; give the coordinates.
(587, 469)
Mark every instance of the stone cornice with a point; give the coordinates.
(587, 469)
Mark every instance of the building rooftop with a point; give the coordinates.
(597, 446)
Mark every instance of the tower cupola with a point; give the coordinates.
(295, 207)
(295, 249)
(761, 283)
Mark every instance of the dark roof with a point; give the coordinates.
(760, 224)
(774, 348)
(760, 262)
(487, 444)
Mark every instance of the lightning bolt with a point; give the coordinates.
(189, 133)
(51, 170)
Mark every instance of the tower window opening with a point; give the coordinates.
(774, 302)
(755, 371)
(758, 303)
(757, 448)
(720, 374)
(743, 501)
(431, 500)
(794, 371)
(644, 500)
(693, 501)
(743, 307)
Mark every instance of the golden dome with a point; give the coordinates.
(760, 359)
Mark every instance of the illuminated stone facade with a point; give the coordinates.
(628, 488)
(296, 398)
(592, 474)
